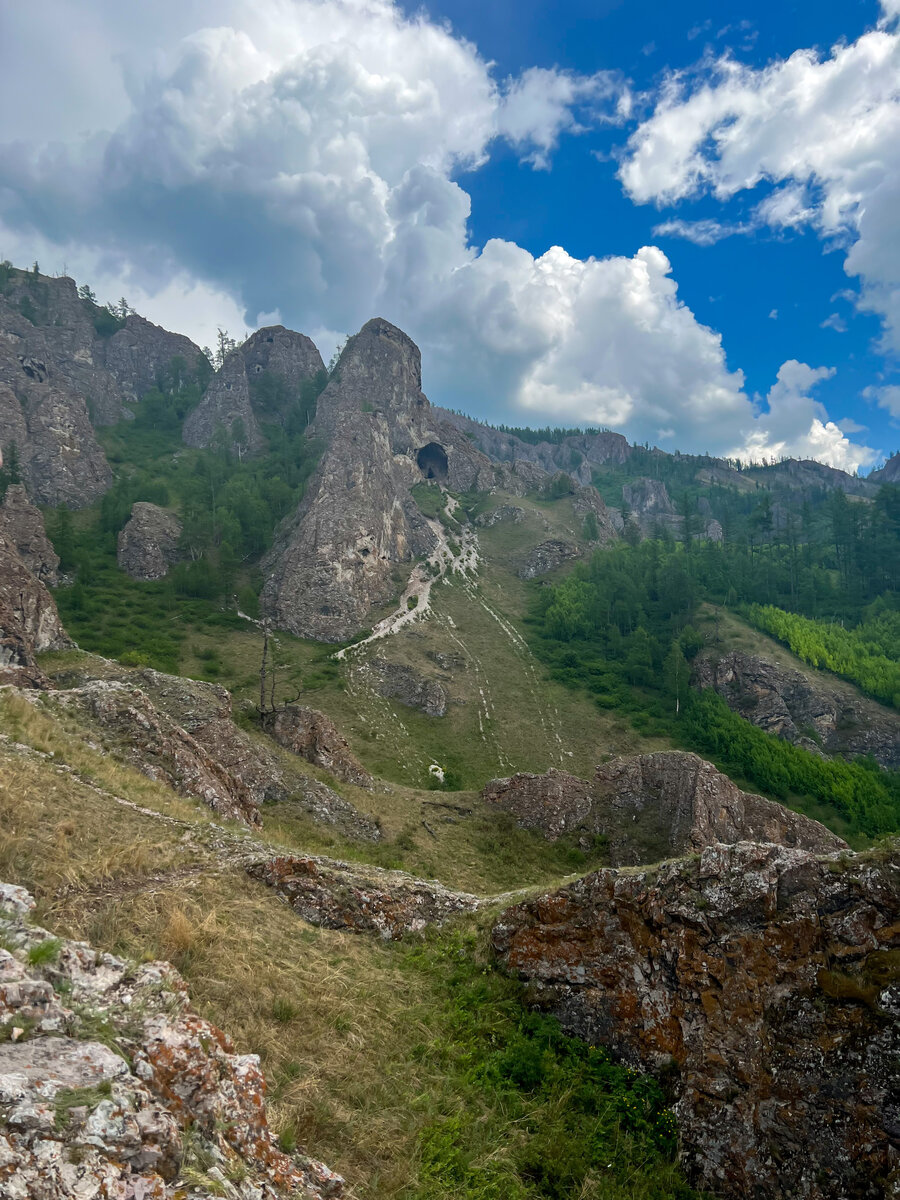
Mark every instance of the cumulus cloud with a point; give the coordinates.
(887, 397)
(307, 158)
(823, 132)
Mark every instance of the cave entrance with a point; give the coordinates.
(432, 460)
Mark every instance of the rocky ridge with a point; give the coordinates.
(763, 983)
(162, 1107)
(313, 736)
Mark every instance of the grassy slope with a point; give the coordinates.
(396, 1063)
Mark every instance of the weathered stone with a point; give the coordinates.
(81, 1121)
(363, 899)
(148, 542)
(22, 525)
(552, 804)
(763, 982)
(333, 562)
(547, 557)
(133, 729)
(658, 805)
(234, 393)
(398, 682)
(787, 703)
(313, 736)
(503, 513)
(29, 622)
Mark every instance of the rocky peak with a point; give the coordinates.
(148, 543)
(22, 524)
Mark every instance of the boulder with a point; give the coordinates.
(22, 525)
(313, 736)
(82, 1119)
(546, 557)
(790, 705)
(763, 983)
(396, 681)
(551, 804)
(148, 543)
(337, 895)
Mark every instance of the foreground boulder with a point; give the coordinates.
(360, 898)
(148, 543)
(654, 806)
(162, 1108)
(789, 704)
(29, 622)
(764, 984)
(313, 736)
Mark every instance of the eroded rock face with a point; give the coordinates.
(237, 393)
(551, 804)
(547, 557)
(80, 1121)
(132, 728)
(398, 682)
(785, 702)
(22, 525)
(337, 895)
(655, 806)
(29, 622)
(767, 979)
(148, 542)
(334, 560)
(313, 736)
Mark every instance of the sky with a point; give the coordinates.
(681, 222)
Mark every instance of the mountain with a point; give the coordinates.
(524, 799)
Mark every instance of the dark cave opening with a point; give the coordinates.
(432, 460)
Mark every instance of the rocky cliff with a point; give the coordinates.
(788, 704)
(22, 525)
(654, 806)
(763, 984)
(334, 560)
(29, 622)
(111, 1085)
(257, 382)
(148, 543)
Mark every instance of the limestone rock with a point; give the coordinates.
(29, 622)
(659, 805)
(767, 979)
(313, 736)
(141, 354)
(334, 560)
(787, 703)
(273, 354)
(552, 804)
(131, 727)
(654, 806)
(398, 682)
(22, 525)
(588, 500)
(502, 513)
(547, 557)
(148, 542)
(337, 895)
(80, 1120)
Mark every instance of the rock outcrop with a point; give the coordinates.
(29, 622)
(313, 736)
(133, 729)
(334, 560)
(148, 542)
(22, 525)
(170, 1110)
(337, 895)
(552, 804)
(395, 681)
(763, 983)
(649, 504)
(655, 806)
(787, 703)
(259, 381)
(546, 557)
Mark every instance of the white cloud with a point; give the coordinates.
(303, 159)
(835, 322)
(824, 130)
(773, 315)
(887, 397)
(702, 233)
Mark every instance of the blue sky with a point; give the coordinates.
(727, 215)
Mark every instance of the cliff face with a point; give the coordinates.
(255, 383)
(22, 524)
(786, 703)
(763, 982)
(333, 561)
(29, 622)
